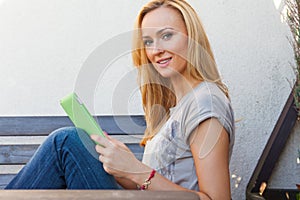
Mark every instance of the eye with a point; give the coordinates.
(167, 36)
(148, 43)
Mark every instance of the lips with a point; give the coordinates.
(164, 62)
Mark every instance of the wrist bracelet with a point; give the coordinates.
(147, 182)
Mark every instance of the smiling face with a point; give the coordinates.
(165, 38)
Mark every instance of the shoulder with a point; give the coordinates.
(208, 101)
(208, 96)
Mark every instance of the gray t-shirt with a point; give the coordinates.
(169, 151)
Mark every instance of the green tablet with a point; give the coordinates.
(79, 115)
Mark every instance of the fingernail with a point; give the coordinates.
(94, 137)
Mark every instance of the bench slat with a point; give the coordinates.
(19, 140)
(22, 126)
(15, 140)
(21, 154)
(96, 195)
(10, 169)
(5, 179)
(16, 154)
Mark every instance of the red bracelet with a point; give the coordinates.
(147, 182)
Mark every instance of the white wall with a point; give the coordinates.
(46, 44)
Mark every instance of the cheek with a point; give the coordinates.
(180, 59)
(149, 54)
(182, 48)
(178, 47)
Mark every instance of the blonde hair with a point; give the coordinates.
(157, 95)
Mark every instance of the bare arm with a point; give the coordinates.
(212, 170)
(212, 162)
(126, 183)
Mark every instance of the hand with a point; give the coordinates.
(116, 157)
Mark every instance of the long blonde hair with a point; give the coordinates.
(157, 95)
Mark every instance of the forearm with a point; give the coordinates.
(159, 182)
(126, 183)
(119, 161)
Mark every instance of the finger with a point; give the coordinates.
(101, 159)
(100, 149)
(101, 140)
(107, 136)
(114, 141)
(107, 169)
(105, 133)
(119, 143)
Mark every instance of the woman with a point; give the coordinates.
(190, 126)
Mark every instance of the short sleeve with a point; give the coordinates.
(210, 103)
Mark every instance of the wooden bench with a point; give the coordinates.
(21, 136)
(95, 195)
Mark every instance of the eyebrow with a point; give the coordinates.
(159, 32)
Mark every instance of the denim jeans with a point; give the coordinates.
(66, 160)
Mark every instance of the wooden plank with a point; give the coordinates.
(96, 194)
(5, 179)
(19, 140)
(16, 154)
(10, 169)
(7, 172)
(21, 154)
(43, 125)
(31, 125)
(273, 148)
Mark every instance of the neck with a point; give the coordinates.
(182, 86)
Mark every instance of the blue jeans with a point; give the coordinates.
(66, 160)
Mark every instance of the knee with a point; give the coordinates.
(72, 139)
(70, 135)
(63, 134)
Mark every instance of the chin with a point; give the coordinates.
(167, 72)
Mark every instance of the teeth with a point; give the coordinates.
(164, 61)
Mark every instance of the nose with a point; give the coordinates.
(157, 49)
